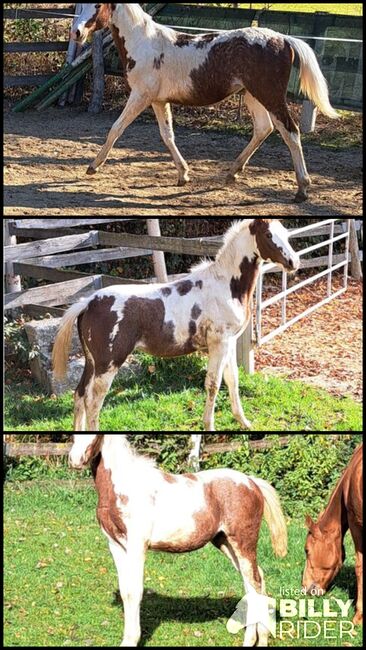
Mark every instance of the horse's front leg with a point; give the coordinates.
(357, 538)
(231, 376)
(135, 105)
(130, 565)
(217, 360)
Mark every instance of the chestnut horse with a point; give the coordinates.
(142, 508)
(325, 542)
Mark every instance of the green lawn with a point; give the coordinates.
(60, 581)
(350, 8)
(169, 396)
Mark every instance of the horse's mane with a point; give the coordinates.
(229, 238)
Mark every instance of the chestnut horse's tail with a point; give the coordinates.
(312, 81)
(60, 353)
(274, 517)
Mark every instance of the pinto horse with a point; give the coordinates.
(164, 67)
(142, 508)
(325, 542)
(207, 311)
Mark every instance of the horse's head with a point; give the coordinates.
(84, 450)
(325, 555)
(92, 18)
(272, 243)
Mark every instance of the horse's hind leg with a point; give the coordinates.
(216, 364)
(263, 127)
(95, 394)
(290, 133)
(164, 116)
(256, 632)
(231, 376)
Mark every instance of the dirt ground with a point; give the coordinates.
(46, 156)
(326, 349)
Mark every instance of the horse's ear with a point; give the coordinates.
(309, 522)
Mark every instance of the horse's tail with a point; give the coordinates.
(61, 348)
(312, 81)
(274, 517)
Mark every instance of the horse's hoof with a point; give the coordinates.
(230, 179)
(183, 181)
(301, 196)
(91, 171)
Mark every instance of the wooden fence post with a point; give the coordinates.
(153, 228)
(356, 268)
(245, 350)
(12, 282)
(195, 455)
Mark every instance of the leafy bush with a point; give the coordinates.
(304, 472)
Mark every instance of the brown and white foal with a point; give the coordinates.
(164, 67)
(141, 508)
(207, 311)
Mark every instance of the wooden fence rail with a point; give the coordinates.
(17, 450)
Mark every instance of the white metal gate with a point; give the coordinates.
(334, 263)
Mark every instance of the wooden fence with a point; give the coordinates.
(40, 47)
(52, 449)
(59, 245)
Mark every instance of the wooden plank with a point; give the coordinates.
(87, 257)
(56, 275)
(255, 445)
(31, 224)
(54, 294)
(44, 449)
(56, 46)
(199, 247)
(39, 248)
(26, 14)
(36, 311)
(30, 80)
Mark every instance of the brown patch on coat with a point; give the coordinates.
(183, 40)
(202, 41)
(169, 478)
(143, 322)
(196, 312)
(94, 449)
(166, 292)
(184, 287)
(108, 513)
(239, 64)
(158, 61)
(266, 246)
(242, 288)
(192, 329)
(95, 327)
(236, 508)
(101, 18)
(199, 284)
(128, 63)
(191, 477)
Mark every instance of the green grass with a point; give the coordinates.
(60, 581)
(169, 396)
(350, 8)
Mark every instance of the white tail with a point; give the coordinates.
(60, 352)
(312, 81)
(274, 517)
